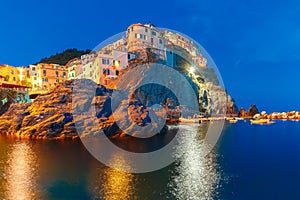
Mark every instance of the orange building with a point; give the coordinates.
(44, 76)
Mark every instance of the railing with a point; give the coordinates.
(38, 91)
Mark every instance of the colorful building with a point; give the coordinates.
(44, 76)
(140, 37)
(71, 66)
(17, 76)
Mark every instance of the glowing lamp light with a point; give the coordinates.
(192, 70)
(116, 64)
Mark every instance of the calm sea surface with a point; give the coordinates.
(249, 162)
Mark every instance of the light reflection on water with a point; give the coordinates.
(20, 172)
(194, 176)
(65, 170)
(115, 184)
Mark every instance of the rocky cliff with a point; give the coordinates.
(52, 115)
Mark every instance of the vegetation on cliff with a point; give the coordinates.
(64, 57)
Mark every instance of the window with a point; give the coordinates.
(73, 75)
(154, 33)
(44, 72)
(117, 72)
(12, 71)
(45, 79)
(145, 37)
(64, 74)
(91, 74)
(105, 61)
(57, 81)
(151, 40)
(136, 35)
(160, 41)
(56, 72)
(33, 68)
(14, 78)
(146, 29)
(106, 71)
(34, 78)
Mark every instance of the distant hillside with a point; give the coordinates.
(64, 57)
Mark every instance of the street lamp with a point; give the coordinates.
(192, 70)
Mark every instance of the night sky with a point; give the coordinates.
(255, 44)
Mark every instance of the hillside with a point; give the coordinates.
(64, 57)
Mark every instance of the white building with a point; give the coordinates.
(140, 37)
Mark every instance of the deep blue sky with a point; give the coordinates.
(255, 44)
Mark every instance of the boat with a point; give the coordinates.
(239, 118)
(233, 121)
(261, 121)
(191, 120)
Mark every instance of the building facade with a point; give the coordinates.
(44, 76)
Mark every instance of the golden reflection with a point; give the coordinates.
(117, 184)
(196, 176)
(21, 172)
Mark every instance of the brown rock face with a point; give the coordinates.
(48, 116)
(252, 111)
(53, 115)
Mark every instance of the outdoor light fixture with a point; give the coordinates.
(192, 70)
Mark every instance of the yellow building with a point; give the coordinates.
(15, 75)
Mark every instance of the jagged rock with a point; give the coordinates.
(242, 112)
(51, 115)
(252, 111)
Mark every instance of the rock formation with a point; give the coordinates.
(252, 111)
(52, 115)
